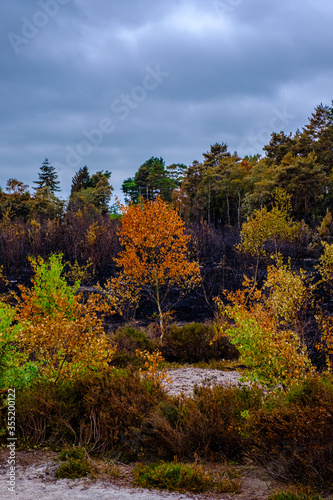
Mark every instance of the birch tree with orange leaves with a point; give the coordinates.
(155, 257)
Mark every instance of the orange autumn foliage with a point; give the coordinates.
(151, 369)
(155, 256)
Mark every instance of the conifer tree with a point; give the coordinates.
(47, 177)
(80, 180)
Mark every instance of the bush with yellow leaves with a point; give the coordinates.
(262, 329)
(63, 335)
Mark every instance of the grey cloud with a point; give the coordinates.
(231, 65)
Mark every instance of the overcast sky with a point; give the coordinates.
(108, 84)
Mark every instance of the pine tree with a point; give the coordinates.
(47, 177)
(317, 136)
(80, 180)
(217, 153)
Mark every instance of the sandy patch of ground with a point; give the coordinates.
(185, 379)
(35, 480)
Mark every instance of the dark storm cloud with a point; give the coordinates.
(109, 84)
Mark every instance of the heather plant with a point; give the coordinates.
(192, 343)
(292, 495)
(128, 340)
(208, 425)
(181, 477)
(292, 435)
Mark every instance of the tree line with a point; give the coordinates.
(214, 198)
(222, 189)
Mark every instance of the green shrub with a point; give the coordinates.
(312, 391)
(128, 340)
(75, 464)
(76, 453)
(192, 343)
(174, 476)
(290, 495)
(73, 469)
(115, 409)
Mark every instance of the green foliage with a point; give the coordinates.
(15, 369)
(273, 357)
(63, 335)
(178, 476)
(287, 291)
(49, 285)
(16, 202)
(325, 229)
(130, 190)
(75, 453)
(80, 180)
(92, 192)
(305, 179)
(261, 326)
(291, 495)
(150, 180)
(73, 469)
(125, 416)
(47, 177)
(106, 412)
(78, 275)
(192, 343)
(45, 205)
(263, 225)
(213, 190)
(312, 392)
